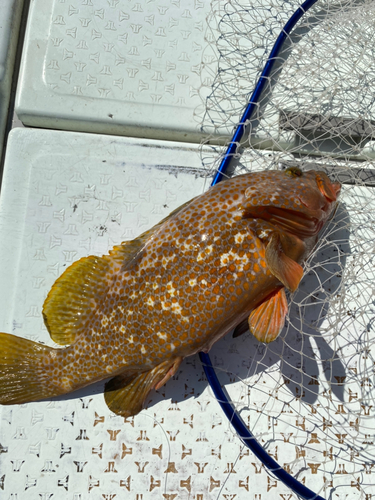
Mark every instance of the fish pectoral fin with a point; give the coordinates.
(241, 328)
(125, 395)
(268, 319)
(285, 269)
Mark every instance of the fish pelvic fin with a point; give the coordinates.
(23, 377)
(268, 319)
(285, 269)
(125, 394)
(240, 329)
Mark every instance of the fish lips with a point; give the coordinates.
(330, 190)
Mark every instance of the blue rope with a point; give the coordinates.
(245, 435)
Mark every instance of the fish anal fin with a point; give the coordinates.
(285, 269)
(69, 302)
(268, 319)
(125, 395)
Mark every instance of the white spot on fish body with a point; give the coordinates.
(171, 289)
(130, 339)
(161, 335)
(264, 233)
(192, 282)
(224, 259)
(66, 383)
(155, 286)
(109, 368)
(172, 347)
(129, 312)
(113, 314)
(133, 296)
(143, 350)
(231, 256)
(239, 238)
(104, 321)
(150, 302)
(176, 308)
(166, 260)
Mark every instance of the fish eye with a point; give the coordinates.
(294, 172)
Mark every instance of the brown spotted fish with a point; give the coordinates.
(133, 315)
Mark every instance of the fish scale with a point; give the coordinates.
(222, 258)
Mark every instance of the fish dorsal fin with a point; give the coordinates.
(72, 298)
(125, 394)
(124, 253)
(268, 319)
(285, 269)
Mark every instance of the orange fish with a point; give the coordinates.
(225, 256)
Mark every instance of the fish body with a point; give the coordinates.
(222, 258)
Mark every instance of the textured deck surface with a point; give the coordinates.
(117, 67)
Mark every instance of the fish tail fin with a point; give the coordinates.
(23, 375)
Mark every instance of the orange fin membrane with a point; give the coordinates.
(281, 266)
(125, 395)
(268, 319)
(22, 377)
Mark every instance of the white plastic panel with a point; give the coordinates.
(116, 67)
(10, 15)
(66, 195)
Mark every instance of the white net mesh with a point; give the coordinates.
(309, 396)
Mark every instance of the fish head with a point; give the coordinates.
(298, 202)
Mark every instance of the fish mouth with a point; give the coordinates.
(298, 223)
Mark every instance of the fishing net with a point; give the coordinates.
(309, 396)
